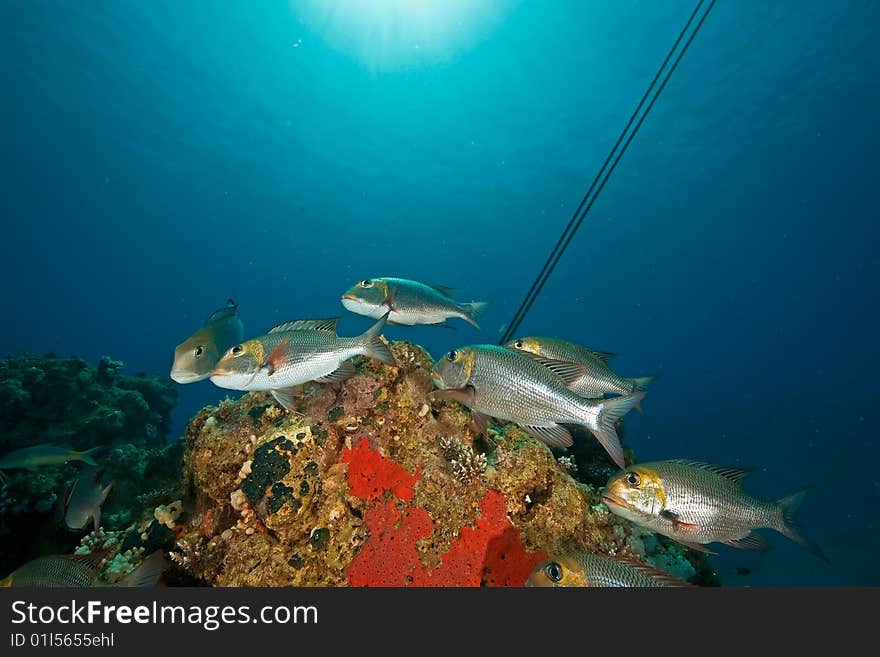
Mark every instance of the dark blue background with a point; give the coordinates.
(160, 157)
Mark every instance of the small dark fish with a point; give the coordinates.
(85, 499)
(410, 302)
(697, 503)
(73, 570)
(584, 569)
(196, 357)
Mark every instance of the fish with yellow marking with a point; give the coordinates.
(596, 379)
(508, 385)
(48, 454)
(74, 570)
(196, 357)
(582, 569)
(409, 302)
(294, 353)
(696, 503)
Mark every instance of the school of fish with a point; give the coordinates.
(542, 384)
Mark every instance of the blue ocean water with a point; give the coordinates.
(161, 157)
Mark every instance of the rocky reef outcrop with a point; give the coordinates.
(370, 483)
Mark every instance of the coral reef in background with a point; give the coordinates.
(371, 483)
(45, 399)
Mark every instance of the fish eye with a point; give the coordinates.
(237, 350)
(452, 356)
(554, 571)
(199, 351)
(366, 283)
(518, 344)
(633, 479)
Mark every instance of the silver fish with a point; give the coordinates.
(85, 499)
(597, 378)
(196, 357)
(37, 456)
(71, 570)
(505, 384)
(584, 569)
(696, 503)
(410, 302)
(296, 352)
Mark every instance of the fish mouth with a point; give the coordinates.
(350, 297)
(182, 376)
(610, 500)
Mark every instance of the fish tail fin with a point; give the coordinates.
(373, 345)
(147, 573)
(88, 455)
(473, 310)
(610, 411)
(640, 384)
(788, 525)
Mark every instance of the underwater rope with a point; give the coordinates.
(587, 202)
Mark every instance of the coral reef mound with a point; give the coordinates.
(370, 483)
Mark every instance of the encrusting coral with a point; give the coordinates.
(370, 483)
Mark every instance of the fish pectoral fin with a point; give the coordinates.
(446, 325)
(696, 546)
(464, 395)
(481, 420)
(676, 520)
(341, 373)
(569, 371)
(275, 358)
(391, 298)
(287, 397)
(751, 541)
(554, 436)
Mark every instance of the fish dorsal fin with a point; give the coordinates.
(229, 310)
(604, 356)
(660, 576)
(735, 475)
(328, 325)
(569, 371)
(442, 289)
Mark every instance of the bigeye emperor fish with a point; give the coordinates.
(596, 379)
(409, 302)
(74, 570)
(696, 503)
(38, 456)
(294, 353)
(581, 569)
(196, 357)
(508, 385)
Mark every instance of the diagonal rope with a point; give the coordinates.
(599, 182)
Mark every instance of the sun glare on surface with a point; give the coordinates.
(398, 33)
